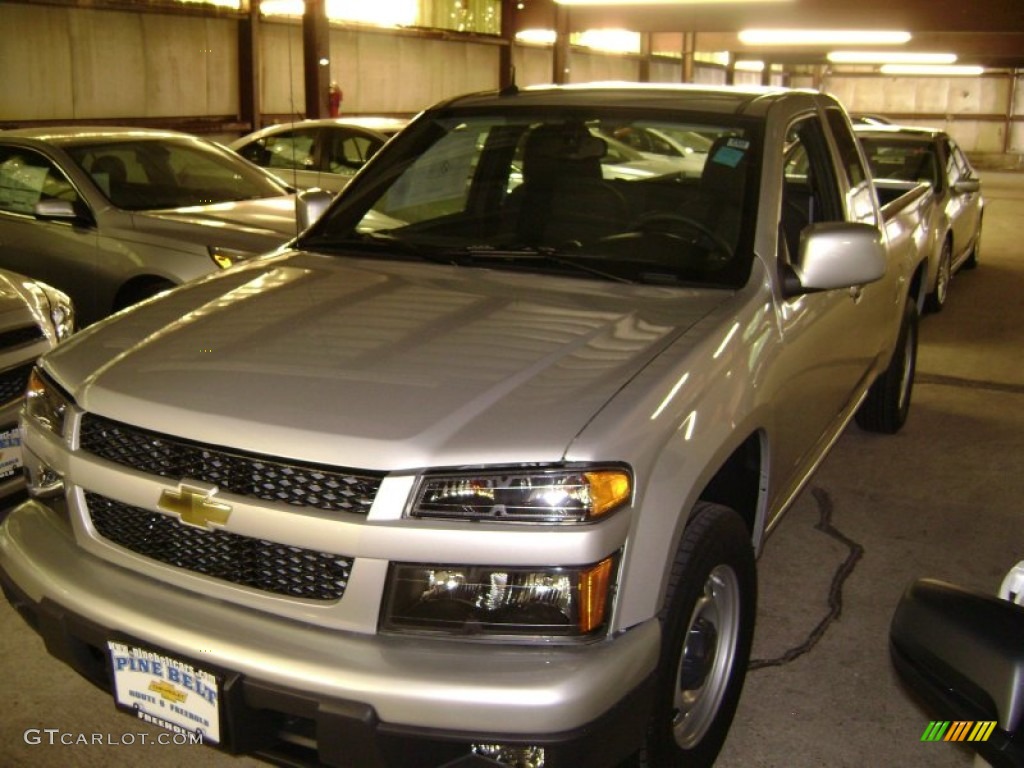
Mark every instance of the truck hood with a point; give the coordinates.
(254, 225)
(376, 364)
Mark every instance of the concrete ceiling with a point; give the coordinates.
(985, 32)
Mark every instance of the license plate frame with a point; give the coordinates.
(166, 691)
(11, 456)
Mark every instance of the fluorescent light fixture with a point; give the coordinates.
(610, 40)
(750, 65)
(822, 37)
(537, 36)
(931, 69)
(663, 2)
(889, 57)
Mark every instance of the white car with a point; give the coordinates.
(324, 153)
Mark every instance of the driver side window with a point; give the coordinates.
(26, 178)
(810, 190)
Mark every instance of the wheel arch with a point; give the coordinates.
(739, 483)
(135, 288)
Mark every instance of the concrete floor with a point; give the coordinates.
(941, 499)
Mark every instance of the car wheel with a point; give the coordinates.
(936, 300)
(888, 402)
(972, 261)
(707, 629)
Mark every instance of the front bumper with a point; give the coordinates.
(339, 699)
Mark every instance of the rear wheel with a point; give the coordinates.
(707, 630)
(888, 402)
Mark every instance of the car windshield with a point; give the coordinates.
(901, 159)
(147, 174)
(557, 192)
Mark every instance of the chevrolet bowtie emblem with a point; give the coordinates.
(194, 506)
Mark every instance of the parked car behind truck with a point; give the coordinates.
(34, 317)
(115, 215)
(899, 154)
(475, 469)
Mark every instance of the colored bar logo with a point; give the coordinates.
(958, 730)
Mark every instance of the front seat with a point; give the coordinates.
(110, 175)
(564, 197)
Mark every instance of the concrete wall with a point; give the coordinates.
(973, 110)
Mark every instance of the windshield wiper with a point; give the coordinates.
(380, 244)
(543, 254)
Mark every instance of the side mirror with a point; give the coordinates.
(837, 255)
(967, 186)
(960, 651)
(55, 209)
(310, 206)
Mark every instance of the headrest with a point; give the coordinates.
(112, 167)
(565, 142)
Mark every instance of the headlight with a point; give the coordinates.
(62, 315)
(226, 257)
(45, 403)
(542, 495)
(57, 307)
(482, 600)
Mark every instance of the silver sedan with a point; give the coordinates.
(924, 154)
(34, 317)
(111, 216)
(324, 153)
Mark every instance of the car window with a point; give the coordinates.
(155, 173)
(292, 150)
(905, 160)
(810, 189)
(846, 143)
(349, 151)
(960, 163)
(27, 177)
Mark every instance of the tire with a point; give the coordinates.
(972, 261)
(888, 402)
(936, 300)
(707, 629)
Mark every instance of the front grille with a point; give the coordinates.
(243, 560)
(14, 381)
(260, 477)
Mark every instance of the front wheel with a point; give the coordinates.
(888, 402)
(936, 300)
(707, 630)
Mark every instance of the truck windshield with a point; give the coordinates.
(658, 201)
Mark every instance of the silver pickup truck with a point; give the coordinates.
(476, 473)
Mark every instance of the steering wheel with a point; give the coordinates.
(720, 243)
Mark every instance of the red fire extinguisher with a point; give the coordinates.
(334, 99)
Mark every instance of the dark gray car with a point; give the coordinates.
(114, 215)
